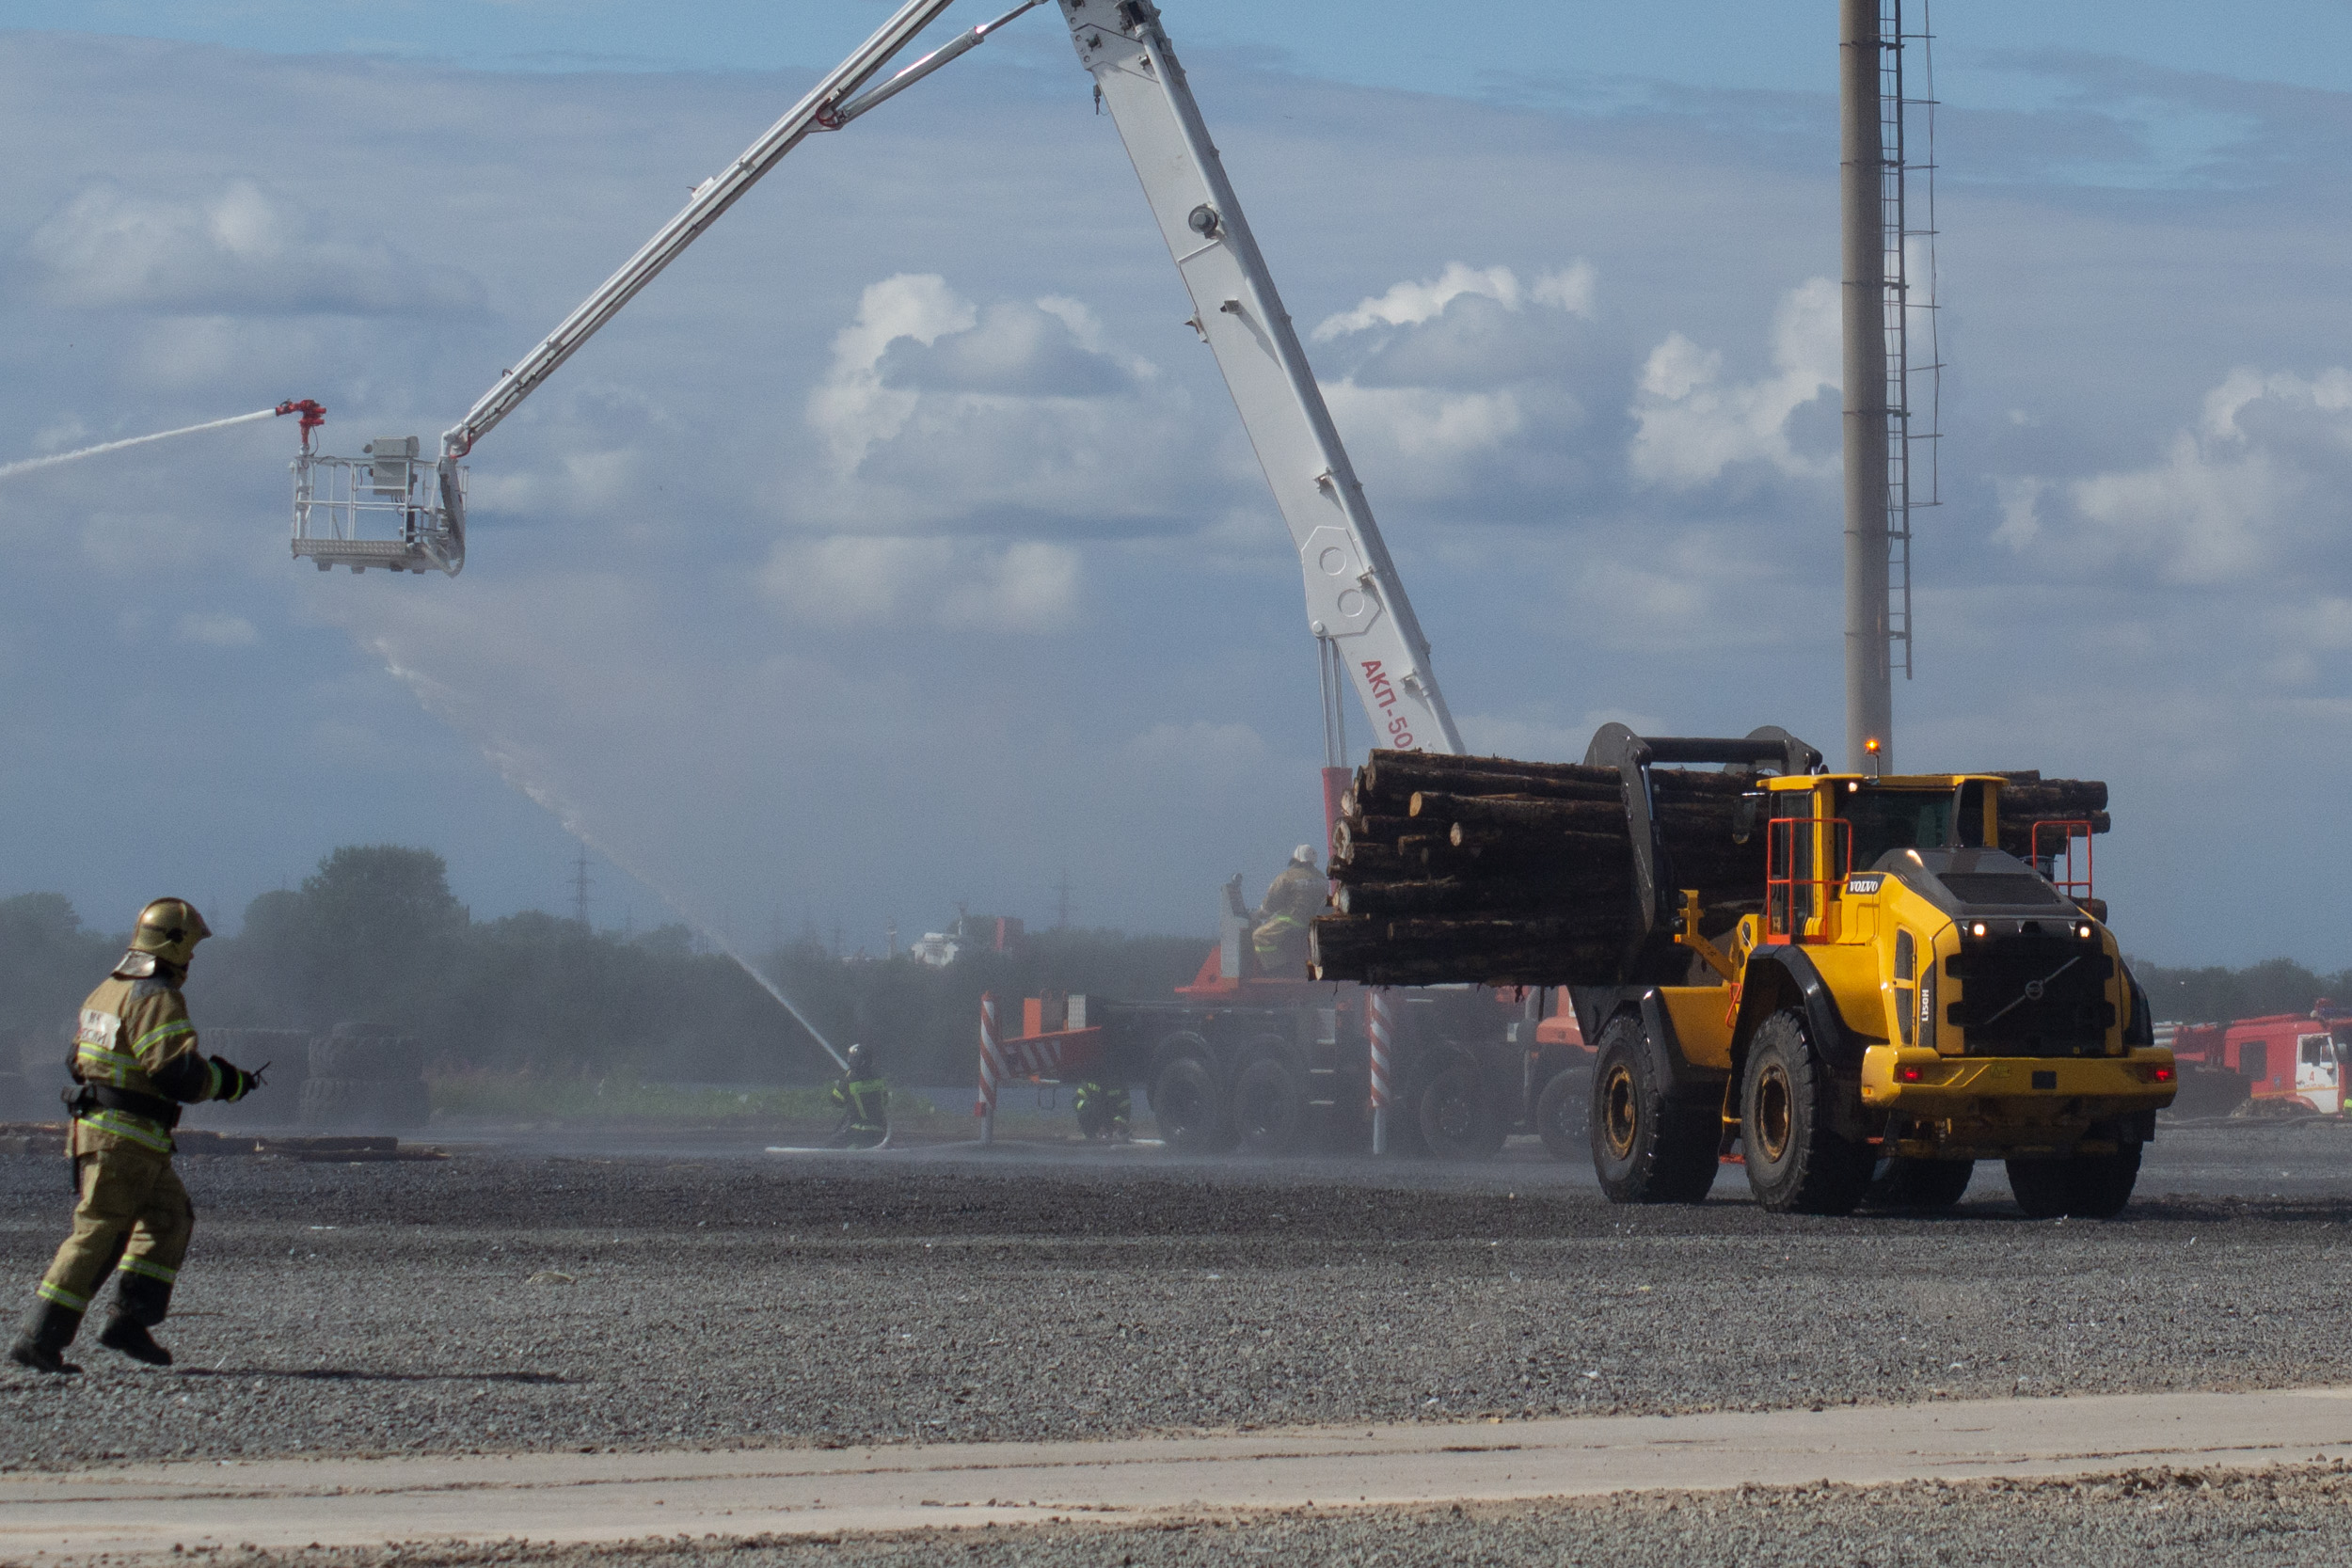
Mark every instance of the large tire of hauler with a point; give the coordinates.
(1797, 1162)
(1646, 1149)
(1269, 1107)
(1908, 1183)
(1456, 1115)
(2082, 1187)
(1184, 1105)
(1561, 1113)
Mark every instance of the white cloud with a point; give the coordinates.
(217, 629)
(135, 543)
(1413, 302)
(243, 252)
(2021, 517)
(861, 581)
(1692, 426)
(941, 415)
(851, 409)
(2257, 486)
(1421, 423)
(1462, 396)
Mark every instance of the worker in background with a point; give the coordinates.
(861, 1095)
(135, 1062)
(1296, 896)
(1103, 1111)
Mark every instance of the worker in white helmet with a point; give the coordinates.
(1296, 896)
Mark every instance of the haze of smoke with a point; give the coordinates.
(448, 706)
(27, 465)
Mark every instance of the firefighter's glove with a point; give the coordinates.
(235, 1082)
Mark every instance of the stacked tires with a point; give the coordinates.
(366, 1077)
(277, 1102)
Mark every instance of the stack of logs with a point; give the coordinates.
(2029, 797)
(1502, 872)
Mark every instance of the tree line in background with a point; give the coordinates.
(375, 935)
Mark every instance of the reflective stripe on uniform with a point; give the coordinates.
(114, 1064)
(62, 1296)
(164, 1032)
(149, 1267)
(211, 1084)
(1269, 937)
(138, 1128)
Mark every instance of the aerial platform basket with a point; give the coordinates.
(389, 507)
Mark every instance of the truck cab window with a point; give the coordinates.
(1887, 819)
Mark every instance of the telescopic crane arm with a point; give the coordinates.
(827, 107)
(1355, 598)
(1356, 603)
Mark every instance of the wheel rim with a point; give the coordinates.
(1454, 1117)
(1774, 1113)
(1619, 1117)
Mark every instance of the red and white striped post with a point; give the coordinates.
(991, 1070)
(1378, 1022)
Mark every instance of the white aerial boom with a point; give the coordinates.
(1356, 603)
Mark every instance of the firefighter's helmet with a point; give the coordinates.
(861, 1061)
(170, 928)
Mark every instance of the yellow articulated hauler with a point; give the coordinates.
(1909, 998)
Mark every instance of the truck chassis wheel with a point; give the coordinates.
(1457, 1116)
(1908, 1183)
(1184, 1105)
(2082, 1186)
(1797, 1163)
(1646, 1147)
(1268, 1109)
(1563, 1114)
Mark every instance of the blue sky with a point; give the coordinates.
(900, 548)
(1715, 43)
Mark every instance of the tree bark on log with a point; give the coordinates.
(1400, 773)
(1470, 898)
(1518, 815)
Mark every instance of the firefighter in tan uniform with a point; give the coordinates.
(1296, 896)
(135, 1063)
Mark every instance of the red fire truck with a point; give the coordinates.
(1243, 1061)
(2281, 1062)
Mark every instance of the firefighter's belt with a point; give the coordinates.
(84, 1098)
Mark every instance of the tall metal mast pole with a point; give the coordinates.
(1869, 674)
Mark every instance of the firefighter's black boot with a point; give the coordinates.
(40, 1343)
(140, 1302)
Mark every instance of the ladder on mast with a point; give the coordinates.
(1906, 424)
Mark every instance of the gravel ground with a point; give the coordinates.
(2142, 1519)
(513, 1303)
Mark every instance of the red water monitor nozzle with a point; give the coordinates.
(313, 415)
